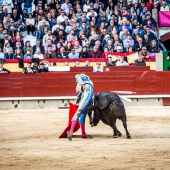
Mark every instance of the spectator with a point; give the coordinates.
(2, 57)
(8, 4)
(110, 62)
(28, 54)
(47, 36)
(38, 46)
(62, 53)
(95, 53)
(84, 53)
(153, 47)
(73, 55)
(140, 62)
(49, 43)
(2, 69)
(28, 6)
(7, 47)
(42, 68)
(49, 54)
(144, 53)
(9, 55)
(77, 64)
(98, 67)
(18, 54)
(27, 47)
(164, 7)
(30, 22)
(66, 63)
(38, 54)
(87, 63)
(121, 62)
(77, 47)
(29, 69)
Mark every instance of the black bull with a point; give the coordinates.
(108, 107)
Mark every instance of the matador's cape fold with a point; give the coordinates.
(72, 111)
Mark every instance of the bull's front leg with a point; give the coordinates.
(116, 132)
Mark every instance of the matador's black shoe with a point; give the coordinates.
(87, 137)
(68, 136)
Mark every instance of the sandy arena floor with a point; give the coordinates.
(29, 140)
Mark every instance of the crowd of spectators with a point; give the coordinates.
(78, 28)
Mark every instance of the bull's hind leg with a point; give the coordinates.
(125, 126)
(116, 132)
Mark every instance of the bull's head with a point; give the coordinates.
(93, 118)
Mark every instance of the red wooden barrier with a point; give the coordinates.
(63, 84)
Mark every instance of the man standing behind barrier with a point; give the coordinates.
(84, 86)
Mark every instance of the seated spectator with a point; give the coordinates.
(49, 54)
(105, 40)
(139, 45)
(2, 57)
(18, 39)
(73, 55)
(68, 48)
(9, 55)
(18, 47)
(164, 7)
(87, 63)
(7, 47)
(153, 47)
(18, 54)
(27, 47)
(30, 23)
(49, 43)
(119, 49)
(110, 46)
(62, 53)
(77, 64)
(146, 42)
(105, 54)
(29, 69)
(28, 55)
(2, 69)
(95, 53)
(47, 36)
(77, 47)
(98, 67)
(38, 54)
(144, 53)
(110, 62)
(66, 63)
(121, 62)
(42, 68)
(38, 46)
(84, 53)
(140, 62)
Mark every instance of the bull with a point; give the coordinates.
(108, 107)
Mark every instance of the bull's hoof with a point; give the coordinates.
(129, 137)
(119, 134)
(115, 136)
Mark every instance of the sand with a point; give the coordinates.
(29, 140)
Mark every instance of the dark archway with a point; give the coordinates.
(167, 44)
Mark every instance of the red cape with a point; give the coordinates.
(72, 111)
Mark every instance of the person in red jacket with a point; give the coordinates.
(95, 53)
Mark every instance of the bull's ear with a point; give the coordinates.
(103, 101)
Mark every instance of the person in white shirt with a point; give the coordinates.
(86, 6)
(2, 57)
(61, 17)
(164, 7)
(30, 23)
(121, 62)
(65, 5)
(58, 25)
(8, 4)
(98, 67)
(38, 54)
(47, 36)
(43, 19)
